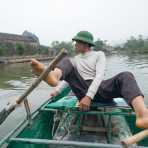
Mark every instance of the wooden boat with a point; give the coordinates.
(59, 123)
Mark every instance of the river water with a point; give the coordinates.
(16, 78)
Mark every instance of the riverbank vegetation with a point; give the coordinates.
(19, 49)
(56, 46)
(134, 45)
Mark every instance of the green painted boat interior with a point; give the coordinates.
(42, 124)
(40, 128)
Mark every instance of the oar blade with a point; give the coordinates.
(3, 115)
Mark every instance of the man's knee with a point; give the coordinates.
(65, 62)
(126, 75)
(66, 66)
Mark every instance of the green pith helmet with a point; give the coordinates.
(84, 36)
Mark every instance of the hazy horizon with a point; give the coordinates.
(51, 20)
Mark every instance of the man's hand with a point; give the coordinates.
(84, 104)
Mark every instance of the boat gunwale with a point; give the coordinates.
(23, 123)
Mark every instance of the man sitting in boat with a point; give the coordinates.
(85, 73)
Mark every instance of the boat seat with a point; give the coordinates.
(101, 104)
(71, 102)
(115, 103)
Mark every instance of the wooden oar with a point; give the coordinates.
(11, 107)
(135, 138)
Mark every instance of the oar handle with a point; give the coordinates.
(5, 113)
(135, 138)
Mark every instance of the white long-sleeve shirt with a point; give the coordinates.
(91, 66)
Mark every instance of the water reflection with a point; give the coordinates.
(11, 72)
(14, 80)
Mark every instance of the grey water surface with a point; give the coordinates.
(16, 78)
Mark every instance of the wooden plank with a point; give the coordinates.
(91, 128)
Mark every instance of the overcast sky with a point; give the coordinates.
(50, 20)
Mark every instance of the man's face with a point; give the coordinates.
(80, 47)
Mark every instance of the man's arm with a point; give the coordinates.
(100, 70)
(85, 102)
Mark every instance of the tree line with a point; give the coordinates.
(134, 44)
(19, 49)
(56, 46)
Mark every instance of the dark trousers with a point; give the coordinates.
(122, 85)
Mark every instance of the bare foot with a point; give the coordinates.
(37, 66)
(142, 122)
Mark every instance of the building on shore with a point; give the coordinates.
(25, 38)
(14, 44)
